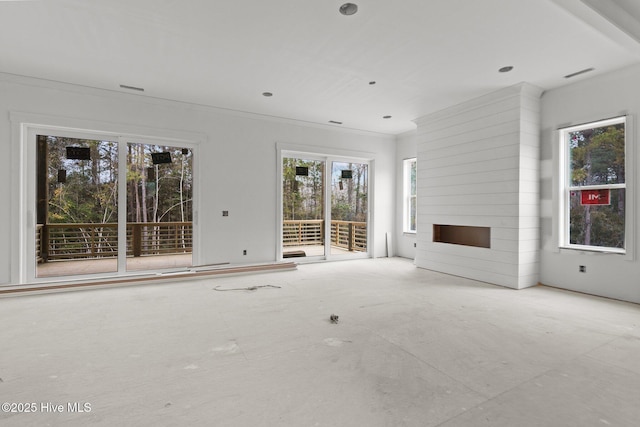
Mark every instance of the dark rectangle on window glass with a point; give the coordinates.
(62, 176)
(302, 171)
(78, 153)
(347, 174)
(160, 158)
(462, 235)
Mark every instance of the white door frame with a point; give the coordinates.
(25, 128)
(328, 156)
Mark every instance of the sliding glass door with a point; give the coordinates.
(76, 206)
(159, 206)
(325, 207)
(107, 205)
(303, 208)
(349, 207)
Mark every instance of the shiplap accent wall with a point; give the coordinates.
(478, 165)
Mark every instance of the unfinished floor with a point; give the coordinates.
(411, 348)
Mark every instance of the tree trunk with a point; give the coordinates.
(350, 194)
(182, 202)
(587, 225)
(143, 181)
(95, 160)
(587, 209)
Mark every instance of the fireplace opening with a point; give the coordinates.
(462, 235)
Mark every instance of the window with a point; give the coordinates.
(593, 207)
(409, 195)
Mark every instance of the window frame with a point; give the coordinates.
(566, 187)
(407, 197)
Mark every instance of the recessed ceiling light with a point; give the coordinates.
(139, 89)
(267, 94)
(577, 73)
(335, 122)
(386, 117)
(506, 69)
(348, 9)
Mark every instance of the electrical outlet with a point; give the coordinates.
(244, 252)
(582, 269)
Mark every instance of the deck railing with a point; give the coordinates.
(159, 238)
(303, 232)
(39, 237)
(350, 235)
(77, 241)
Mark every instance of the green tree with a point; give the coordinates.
(303, 195)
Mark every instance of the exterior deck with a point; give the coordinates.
(74, 267)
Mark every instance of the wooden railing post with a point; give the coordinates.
(44, 243)
(92, 242)
(351, 236)
(136, 237)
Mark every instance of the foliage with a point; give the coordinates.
(161, 192)
(89, 194)
(349, 195)
(597, 156)
(303, 196)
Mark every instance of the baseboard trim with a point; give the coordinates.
(156, 278)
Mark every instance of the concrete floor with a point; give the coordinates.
(412, 348)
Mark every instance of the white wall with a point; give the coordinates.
(237, 159)
(406, 148)
(613, 94)
(478, 166)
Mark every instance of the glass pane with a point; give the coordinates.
(413, 177)
(597, 224)
(159, 207)
(302, 207)
(413, 214)
(77, 206)
(597, 155)
(349, 204)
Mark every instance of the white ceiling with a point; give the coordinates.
(424, 55)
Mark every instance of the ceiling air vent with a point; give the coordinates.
(577, 73)
(139, 89)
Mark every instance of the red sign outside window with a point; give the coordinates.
(595, 197)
